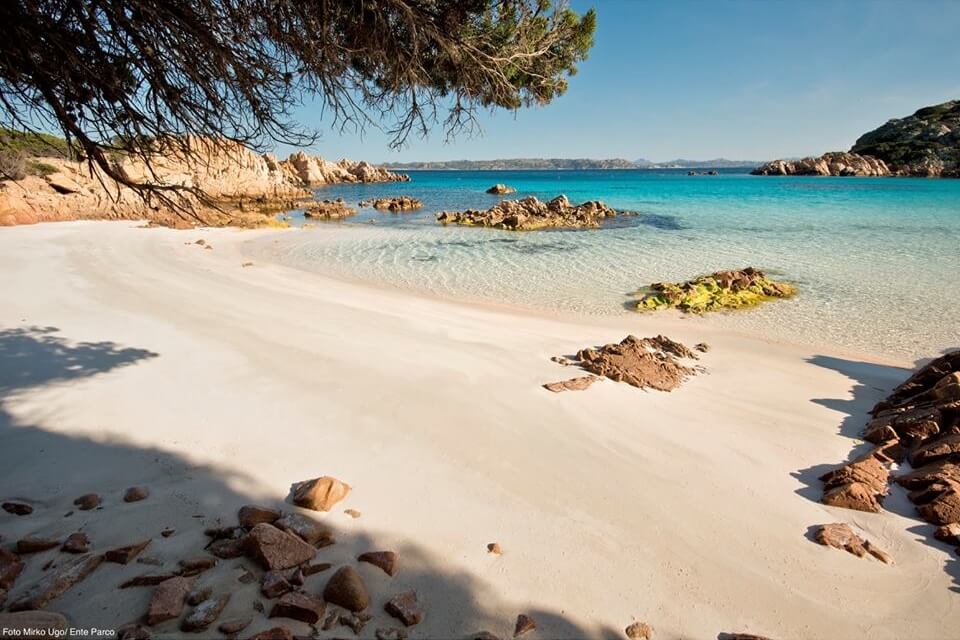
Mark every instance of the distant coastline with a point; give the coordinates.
(568, 164)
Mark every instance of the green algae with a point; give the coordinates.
(722, 290)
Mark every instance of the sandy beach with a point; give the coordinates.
(132, 356)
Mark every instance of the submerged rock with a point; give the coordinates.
(393, 205)
(642, 362)
(530, 213)
(716, 291)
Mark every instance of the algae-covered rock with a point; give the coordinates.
(716, 291)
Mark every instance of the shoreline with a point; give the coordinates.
(173, 366)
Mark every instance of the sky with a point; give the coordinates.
(693, 79)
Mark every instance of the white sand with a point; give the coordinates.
(688, 510)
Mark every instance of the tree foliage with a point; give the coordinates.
(115, 76)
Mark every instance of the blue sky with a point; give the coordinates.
(748, 79)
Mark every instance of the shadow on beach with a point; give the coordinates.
(51, 469)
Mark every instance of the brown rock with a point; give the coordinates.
(169, 531)
(482, 635)
(76, 543)
(33, 625)
(319, 494)
(297, 578)
(356, 621)
(639, 630)
(405, 608)
(743, 636)
(309, 569)
(647, 363)
(702, 347)
(949, 533)
(136, 494)
(393, 205)
(88, 501)
(53, 585)
(168, 600)
(123, 555)
(251, 515)
(197, 565)
(199, 594)
(274, 584)
(353, 513)
(386, 560)
(840, 535)
(494, 548)
(307, 529)
(276, 633)
(35, 544)
(299, 606)
(530, 213)
(947, 446)
(524, 624)
(573, 384)
(346, 589)
(329, 210)
(936, 473)
(205, 613)
(855, 495)
(147, 580)
(226, 549)
(940, 504)
(17, 508)
(10, 568)
(234, 626)
(500, 189)
(276, 549)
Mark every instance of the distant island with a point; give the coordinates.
(517, 164)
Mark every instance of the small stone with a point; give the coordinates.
(386, 560)
(277, 633)
(276, 549)
(169, 531)
(639, 630)
(405, 608)
(17, 508)
(197, 565)
(307, 529)
(309, 569)
(247, 264)
(356, 621)
(702, 347)
(391, 633)
(199, 594)
(147, 580)
(299, 606)
(346, 589)
(168, 600)
(35, 544)
(76, 543)
(246, 577)
(124, 555)
(88, 501)
(319, 494)
(494, 548)
(274, 584)
(524, 624)
(297, 578)
(251, 515)
(205, 613)
(136, 494)
(573, 384)
(234, 626)
(353, 513)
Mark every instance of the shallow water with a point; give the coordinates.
(876, 260)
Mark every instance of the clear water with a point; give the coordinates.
(877, 260)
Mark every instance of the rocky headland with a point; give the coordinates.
(715, 292)
(925, 144)
(242, 187)
(529, 214)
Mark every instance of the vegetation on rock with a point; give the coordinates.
(716, 291)
(530, 214)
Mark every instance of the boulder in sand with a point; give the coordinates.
(76, 543)
(17, 508)
(168, 600)
(639, 631)
(299, 606)
(647, 363)
(320, 494)
(88, 501)
(53, 585)
(136, 494)
(405, 608)
(251, 515)
(307, 529)
(386, 560)
(205, 613)
(276, 549)
(36, 544)
(524, 624)
(840, 535)
(123, 555)
(346, 589)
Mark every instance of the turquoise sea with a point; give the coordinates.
(877, 260)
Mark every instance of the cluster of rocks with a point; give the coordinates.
(530, 213)
(925, 144)
(328, 210)
(393, 205)
(919, 422)
(501, 189)
(716, 291)
(647, 363)
(840, 535)
(834, 163)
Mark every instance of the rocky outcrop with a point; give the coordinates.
(329, 210)
(834, 163)
(528, 214)
(500, 189)
(244, 187)
(647, 363)
(393, 205)
(925, 144)
(715, 292)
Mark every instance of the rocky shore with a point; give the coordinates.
(528, 214)
(925, 144)
(245, 188)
